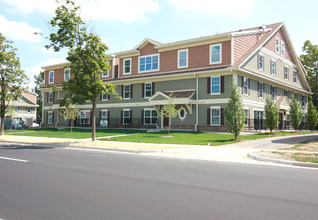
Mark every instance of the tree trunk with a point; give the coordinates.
(169, 126)
(2, 125)
(93, 121)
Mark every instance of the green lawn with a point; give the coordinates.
(77, 133)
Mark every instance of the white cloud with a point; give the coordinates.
(18, 30)
(216, 7)
(30, 6)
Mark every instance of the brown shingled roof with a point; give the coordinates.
(180, 94)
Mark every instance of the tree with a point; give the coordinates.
(86, 55)
(271, 114)
(311, 116)
(69, 111)
(234, 112)
(310, 62)
(169, 110)
(39, 81)
(11, 113)
(295, 113)
(12, 78)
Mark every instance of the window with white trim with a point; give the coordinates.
(104, 118)
(286, 93)
(274, 92)
(295, 75)
(247, 117)
(215, 85)
(261, 90)
(245, 86)
(29, 109)
(215, 116)
(106, 73)
(126, 116)
(273, 67)
(183, 58)
(49, 117)
(104, 97)
(85, 117)
(66, 74)
(148, 90)
(277, 45)
(283, 48)
(149, 63)
(150, 116)
(182, 113)
(50, 99)
(127, 66)
(215, 53)
(286, 73)
(126, 91)
(260, 62)
(51, 77)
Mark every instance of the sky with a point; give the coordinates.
(123, 24)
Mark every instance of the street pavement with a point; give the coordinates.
(60, 183)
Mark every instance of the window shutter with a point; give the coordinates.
(222, 84)
(257, 89)
(271, 67)
(108, 115)
(143, 90)
(258, 61)
(208, 113)
(53, 96)
(288, 73)
(108, 97)
(100, 97)
(249, 86)
(100, 114)
(47, 97)
(275, 93)
(222, 116)
(47, 117)
(209, 85)
(18, 108)
(122, 117)
(131, 91)
(271, 92)
(142, 117)
(242, 86)
(122, 91)
(263, 63)
(130, 117)
(52, 117)
(153, 89)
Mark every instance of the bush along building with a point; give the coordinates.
(199, 72)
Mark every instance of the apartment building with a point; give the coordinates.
(261, 61)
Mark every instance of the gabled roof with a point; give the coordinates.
(145, 42)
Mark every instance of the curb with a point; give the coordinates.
(287, 162)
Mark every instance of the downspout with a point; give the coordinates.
(197, 104)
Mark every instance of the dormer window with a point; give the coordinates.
(66, 74)
(215, 53)
(149, 63)
(127, 66)
(183, 58)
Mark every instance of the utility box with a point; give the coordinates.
(29, 122)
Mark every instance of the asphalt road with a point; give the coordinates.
(74, 184)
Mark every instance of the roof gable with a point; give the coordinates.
(145, 42)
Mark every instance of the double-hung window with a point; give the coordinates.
(260, 62)
(273, 69)
(286, 73)
(49, 117)
(273, 92)
(104, 118)
(148, 90)
(215, 116)
(277, 45)
(245, 86)
(215, 85)
(126, 116)
(106, 73)
(51, 77)
(126, 91)
(150, 116)
(127, 66)
(183, 58)
(66, 74)
(283, 49)
(295, 75)
(286, 93)
(104, 97)
(85, 117)
(29, 109)
(50, 99)
(149, 63)
(215, 53)
(261, 90)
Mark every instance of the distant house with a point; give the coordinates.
(199, 71)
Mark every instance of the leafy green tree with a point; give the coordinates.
(310, 62)
(295, 113)
(39, 81)
(311, 116)
(69, 111)
(271, 114)
(86, 54)
(169, 110)
(11, 113)
(12, 78)
(234, 112)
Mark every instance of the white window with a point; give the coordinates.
(106, 73)
(286, 73)
(104, 97)
(66, 74)
(295, 75)
(126, 116)
(215, 85)
(50, 99)
(245, 86)
(283, 48)
(183, 58)
(148, 90)
(277, 45)
(215, 53)
(16, 108)
(29, 109)
(127, 66)
(182, 113)
(150, 116)
(273, 67)
(246, 112)
(215, 116)
(261, 90)
(49, 117)
(85, 116)
(149, 63)
(51, 77)
(104, 118)
(260, 62)
(273, 92)
(126, 91)
(303, 100)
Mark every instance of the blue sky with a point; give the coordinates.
(123, 24)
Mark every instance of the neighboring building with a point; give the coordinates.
(199, 71)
